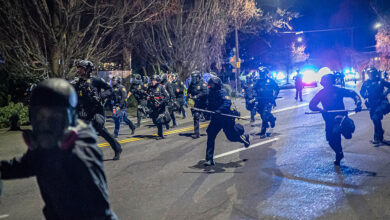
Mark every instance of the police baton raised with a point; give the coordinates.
(334, 111)
(211, 112)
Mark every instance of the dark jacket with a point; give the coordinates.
(119, 95)
(72, 181)
(374, 91)
(219, 101)
(266, 90)
(198, 92)
(91, 95)
(157, 94)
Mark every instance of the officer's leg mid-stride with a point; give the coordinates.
(98, 124)
(196, 116)
(233, 132)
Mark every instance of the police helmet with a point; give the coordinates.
(116, 80)
(373, 73)
(56, 92)
(155, 78)
(263, 72)
(174, 77)
(164, 79)
(328, 80)
(196, 76)
(216, 81)
(137, 79)
(86, 64)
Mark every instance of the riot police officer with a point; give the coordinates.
(298, 86)
(157, 102)
(139, 90)
(172, 106)
(63, 156)
(375, 93)
(331, 98)
(250, 96)
(179, 87)
(197, 91)
(120, 105)
(267, 91)
(90, 108)
(219, 102)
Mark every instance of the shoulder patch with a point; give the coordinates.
(204, 84)
(198, 87)
(227, 97)
(89, 81)
(124, 89)
(181, 83)
(158, 90)
(139, 87)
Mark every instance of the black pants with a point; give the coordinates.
(298, 92)
(216, 124)
(264, 109)
(333, 133)
(183, 111)
(196, 116)
(251, 108)
(98, 123)
(376, 114)
(159, 127)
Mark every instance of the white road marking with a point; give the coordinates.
(242, 149)
(4, 216)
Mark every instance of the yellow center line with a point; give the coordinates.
(165, 133)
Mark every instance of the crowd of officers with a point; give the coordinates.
(67, 117)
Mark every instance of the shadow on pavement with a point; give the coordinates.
(218, 168)
(145, 136)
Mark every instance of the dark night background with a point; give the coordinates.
(353, 20)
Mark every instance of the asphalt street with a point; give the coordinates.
(289, 175)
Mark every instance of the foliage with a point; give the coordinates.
(383, 46)
(10, 110)
(298, 54)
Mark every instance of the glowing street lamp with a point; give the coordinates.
(378, 25)
(300, 39)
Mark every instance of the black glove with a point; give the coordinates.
(358, 108)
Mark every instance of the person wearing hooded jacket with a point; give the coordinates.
(63, 156)
(219, 102)
(331, 98)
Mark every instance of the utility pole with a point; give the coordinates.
(237, 66)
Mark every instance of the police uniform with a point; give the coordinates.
(139, 92)
(250, 98)
(91, 93)
(266, 92)
(120, 100)
(375, 93)
(171, 101)
(331, 98)
(179, 87)
(198, 92)
(71, 179)
(219, 102)
(159, 114)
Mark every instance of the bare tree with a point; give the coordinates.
(44, 37)
(192, 37)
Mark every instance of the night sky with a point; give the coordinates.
(355, 18)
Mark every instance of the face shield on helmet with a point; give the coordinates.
(196, 77)
(52, 111)
(115, 81)
(263, 73)
(373, 73)
(84, 68)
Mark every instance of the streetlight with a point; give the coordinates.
(378, 25)
(300, 39)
